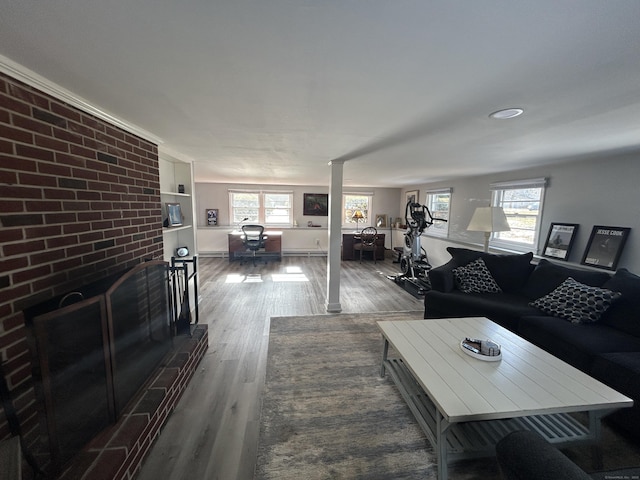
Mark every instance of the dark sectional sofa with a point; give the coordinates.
(607, 349)
(526, 455)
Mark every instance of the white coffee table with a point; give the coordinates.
(465, 405)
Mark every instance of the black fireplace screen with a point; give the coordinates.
(138, 311)
(74, 371)
(95, 355)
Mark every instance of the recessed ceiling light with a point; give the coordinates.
(507, 113)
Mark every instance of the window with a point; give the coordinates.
(439, 202)
(277, 209)
(352, 202)
(522, 204)
(264, 208)
(244, 205)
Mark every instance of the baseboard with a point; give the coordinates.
(285, 253)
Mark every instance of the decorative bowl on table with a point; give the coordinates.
(486, 350)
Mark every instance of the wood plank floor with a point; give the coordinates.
(213, 432)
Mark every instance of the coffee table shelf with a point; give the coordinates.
(478, 439)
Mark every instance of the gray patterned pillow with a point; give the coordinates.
(576, 301)
(475, 277)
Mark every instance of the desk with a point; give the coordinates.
(349, 239)
(272, 245)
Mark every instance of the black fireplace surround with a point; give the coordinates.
(94, 348)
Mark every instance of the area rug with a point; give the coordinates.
(327, 413)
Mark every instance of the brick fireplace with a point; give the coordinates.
(79, 201)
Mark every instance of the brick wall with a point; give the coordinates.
(79, 200)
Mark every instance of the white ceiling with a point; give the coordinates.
(269, 91)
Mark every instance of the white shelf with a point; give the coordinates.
(176, 194)
(175, 229)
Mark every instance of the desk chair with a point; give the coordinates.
(253, 239)
(368, 242)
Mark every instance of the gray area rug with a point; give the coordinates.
(327, 413)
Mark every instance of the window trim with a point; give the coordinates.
(519, 184)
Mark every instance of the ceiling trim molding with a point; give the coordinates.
(171, 155)
(23, 74)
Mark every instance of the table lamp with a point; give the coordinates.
(487, 220)
(357, 216)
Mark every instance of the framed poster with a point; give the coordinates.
(316, 204)
(605, 246)
(174, 214)
(411, 196)
(212, 217)
(560, 240)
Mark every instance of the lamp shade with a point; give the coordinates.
(357, 216)
(489, 219)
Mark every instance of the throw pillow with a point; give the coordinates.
(475, 277)
(576, 302)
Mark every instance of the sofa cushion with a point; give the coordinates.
(462, 256)
(619, 370)
(441, 278)
(625, 314)
(547, 276)
(576, 302)
(509, 271)
(475, 277)
(526, 455)
(505, 308)
(576, 344)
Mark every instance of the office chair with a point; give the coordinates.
(368, 242)
(253, 239)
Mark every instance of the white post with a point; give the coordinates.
(335, 237)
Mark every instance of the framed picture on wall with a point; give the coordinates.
(411, 196)
(316, 204)
(605, 246)
(560, 240)
(212, 217)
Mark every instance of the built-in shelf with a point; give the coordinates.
(175, 229)
(176, 194)
(173, 173)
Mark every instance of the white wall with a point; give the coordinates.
(596, 191)
(213, 240)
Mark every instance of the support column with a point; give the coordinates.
(335, 237)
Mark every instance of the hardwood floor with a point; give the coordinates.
(213, 432)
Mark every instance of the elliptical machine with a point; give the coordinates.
(414, 263)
